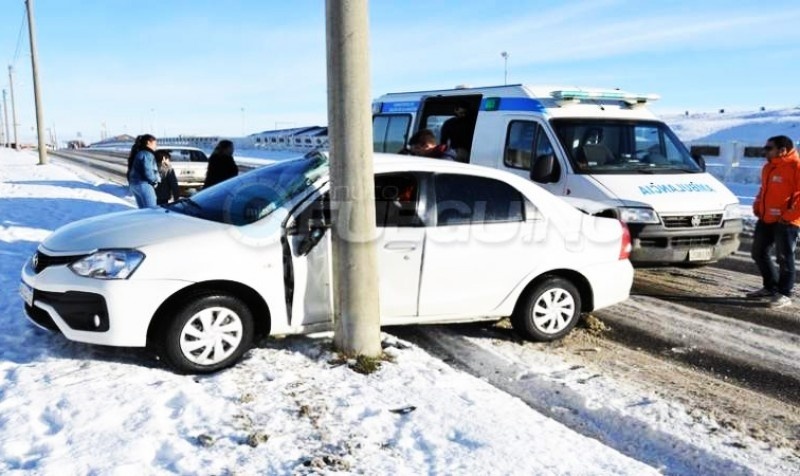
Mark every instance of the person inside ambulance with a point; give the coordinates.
(423, 144)
(457, 132)
(593, 151)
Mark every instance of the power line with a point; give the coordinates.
(19, 40)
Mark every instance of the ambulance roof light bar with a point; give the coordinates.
(565, 97)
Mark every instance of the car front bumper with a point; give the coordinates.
(95, 311)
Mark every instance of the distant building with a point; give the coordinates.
(295, 139)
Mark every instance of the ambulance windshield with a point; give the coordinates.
(613, 147)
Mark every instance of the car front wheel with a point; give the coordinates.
(209, 332)
(548, 311)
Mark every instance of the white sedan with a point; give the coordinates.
(455, 243)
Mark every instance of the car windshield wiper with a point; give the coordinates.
(192, 203)
(183, 202)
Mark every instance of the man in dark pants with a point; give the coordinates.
(777, 207)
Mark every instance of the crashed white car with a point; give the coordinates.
(455, 243)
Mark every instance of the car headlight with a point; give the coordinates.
(732, 212)
(108, 264)
(638, 215)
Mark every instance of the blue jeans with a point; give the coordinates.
(784, 237)
(144, 193)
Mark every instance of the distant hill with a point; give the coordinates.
(751, 128)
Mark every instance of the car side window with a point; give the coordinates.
(397, 200)
(466, 199)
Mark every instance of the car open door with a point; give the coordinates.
(399, 243)
(307, 264)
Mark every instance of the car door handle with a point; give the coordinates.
(401, 246)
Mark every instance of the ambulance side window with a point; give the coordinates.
(390, 132)
(543, 145)
(519, 144)
(526, 141)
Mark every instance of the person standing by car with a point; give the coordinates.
(221, 165)
(143, 171)
(777, 207)
(167, 189)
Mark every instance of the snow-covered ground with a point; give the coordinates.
(748, 127)
(291, 408)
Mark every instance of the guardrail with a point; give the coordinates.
(116, 166)
(115, 161)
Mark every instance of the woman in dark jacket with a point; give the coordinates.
(167, 190)
(221, 165)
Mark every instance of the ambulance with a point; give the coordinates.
(600, 149)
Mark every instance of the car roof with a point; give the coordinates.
(178, 147)
(384, 163)
(396, 162)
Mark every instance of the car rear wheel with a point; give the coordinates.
(548, 311)
(208, 332)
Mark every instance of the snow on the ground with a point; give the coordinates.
(288, 408)
(748, 127)
(663, 433)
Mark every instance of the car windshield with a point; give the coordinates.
(254, 195)
(613, 147)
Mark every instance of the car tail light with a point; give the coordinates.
(626, 245)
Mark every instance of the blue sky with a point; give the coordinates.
(211, 67)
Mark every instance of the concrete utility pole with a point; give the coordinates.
(5, 113)
(13, 109)
(355, 278)
(36, 96)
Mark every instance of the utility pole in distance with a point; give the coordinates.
(13, 108)
(36, 96)
(504, 54)
(2, 123)
(356, 306)
(5, 114)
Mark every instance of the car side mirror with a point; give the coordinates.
(543, 169)
(700, 161)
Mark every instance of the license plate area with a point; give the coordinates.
(700, 254)
(27, 293)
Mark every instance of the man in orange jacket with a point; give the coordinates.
(777, 207)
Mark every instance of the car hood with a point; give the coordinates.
(669, 192)
(128, 229)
